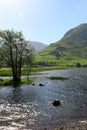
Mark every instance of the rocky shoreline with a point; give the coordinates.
(72, 125)
(80, 125)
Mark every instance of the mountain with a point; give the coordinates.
(72, 47)
(37, 45)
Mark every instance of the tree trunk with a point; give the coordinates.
(16, 80)
(19, 70)
(29, 71)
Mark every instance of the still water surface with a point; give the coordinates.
(30, 107)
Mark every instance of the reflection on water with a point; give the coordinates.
(31, 106)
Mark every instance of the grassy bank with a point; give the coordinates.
(57, 78)
(9, 81)
(70, 125)
(7, 71)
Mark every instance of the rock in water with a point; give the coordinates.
(56, 103)
(41, 84)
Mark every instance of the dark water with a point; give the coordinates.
(30, 107)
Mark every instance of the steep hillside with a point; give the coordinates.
(72, 47)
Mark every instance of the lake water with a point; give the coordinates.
(30, 107)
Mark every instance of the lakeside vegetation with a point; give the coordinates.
(7, 71)
(64, 65)
(57, 78)
(9, 81)
(65, 61)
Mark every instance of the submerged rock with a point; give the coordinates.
(33, 84)
(56, 103)
(41, 84)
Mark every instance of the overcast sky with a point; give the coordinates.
(44, 21)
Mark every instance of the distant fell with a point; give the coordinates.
(37, 45)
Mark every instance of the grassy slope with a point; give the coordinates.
(72, 48)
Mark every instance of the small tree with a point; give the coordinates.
(14, 51)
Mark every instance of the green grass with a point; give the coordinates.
(66, 60)
(62, 64)
(5, 82)
(25, 81)
(5, 72)
(47, 68)
(9, 81)
(57, 78)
